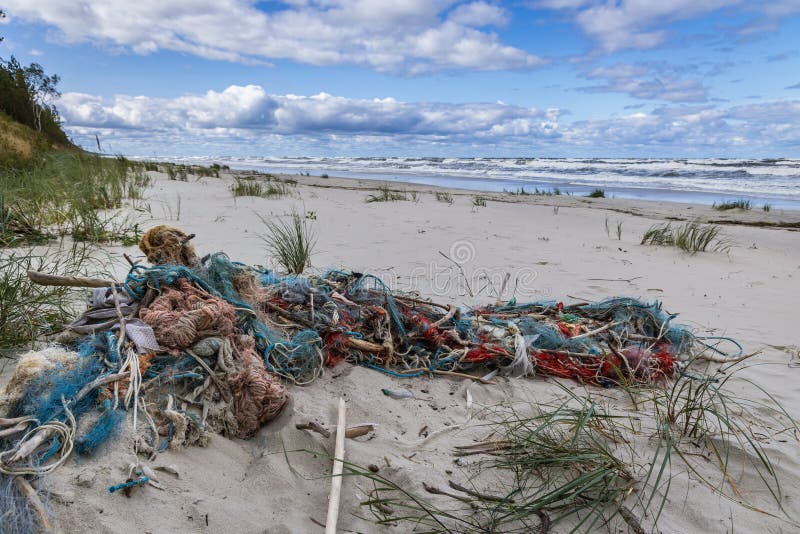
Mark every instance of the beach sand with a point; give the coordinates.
(553, 248)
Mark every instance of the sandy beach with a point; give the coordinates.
(565, 248)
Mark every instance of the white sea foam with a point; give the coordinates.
(702, 180)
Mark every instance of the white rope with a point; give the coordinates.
(33, 439)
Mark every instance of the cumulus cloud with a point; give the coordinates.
(647, 82)
(251, 109)
(386, 35)
(248, 120)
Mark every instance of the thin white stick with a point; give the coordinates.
(338, 467)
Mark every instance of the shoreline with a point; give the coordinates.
(785, 218)
(688, 181)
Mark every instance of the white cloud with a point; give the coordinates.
(479, 14)
(247, 120)
(640, 24)
(386, 35)
(250, 108)
(646, 82)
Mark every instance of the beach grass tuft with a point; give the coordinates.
(28, 310)
(576, 464)
(478, 202)
(691, 237)
(251, 187)
(597, 193)
(290, 241)
(740, 204)
(443, 196)
(535, 192)
(61, 195)
(554, 465)
(385, 194)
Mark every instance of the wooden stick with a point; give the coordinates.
(358, 431)
(338, 467)
(29, 493)
(44, 279)
(316, 427)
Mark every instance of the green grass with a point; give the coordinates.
(554, 466)
(445, 197)
(766, 207)
(251, 187)
(290, 241)
(27, 310)
(691, 237)
(733, 204)
(697, 412)
(597, 193)
(385, 194)
(478, 202)
(578, 467)
(60, 195)
(535, 192)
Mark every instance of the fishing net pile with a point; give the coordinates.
(191, 345)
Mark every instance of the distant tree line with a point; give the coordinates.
(28, 96)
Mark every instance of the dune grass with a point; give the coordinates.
(250, 187)
(290, 241)
(733, 204)
(576, 465)
(61, 195)
(535, 192)
(385, 194)
(27, 310)
(443, 196)
(478, 202)
(691, 237)
(597, 193)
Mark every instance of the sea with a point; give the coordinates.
(774, 182)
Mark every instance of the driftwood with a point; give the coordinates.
(44, 279)
(358, 431)
(314, 426)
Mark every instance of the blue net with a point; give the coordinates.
(106, 426)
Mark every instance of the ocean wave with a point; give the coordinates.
(768, 179)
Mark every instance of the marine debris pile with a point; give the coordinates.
(191, 345)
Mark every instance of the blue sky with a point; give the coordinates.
(573, 78)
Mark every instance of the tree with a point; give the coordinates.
(42, 90)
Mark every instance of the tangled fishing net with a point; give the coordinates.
(191, 345)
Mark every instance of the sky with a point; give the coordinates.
(526, 78)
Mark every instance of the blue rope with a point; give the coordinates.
(138, 482)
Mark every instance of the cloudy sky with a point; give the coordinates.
(585, 78)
